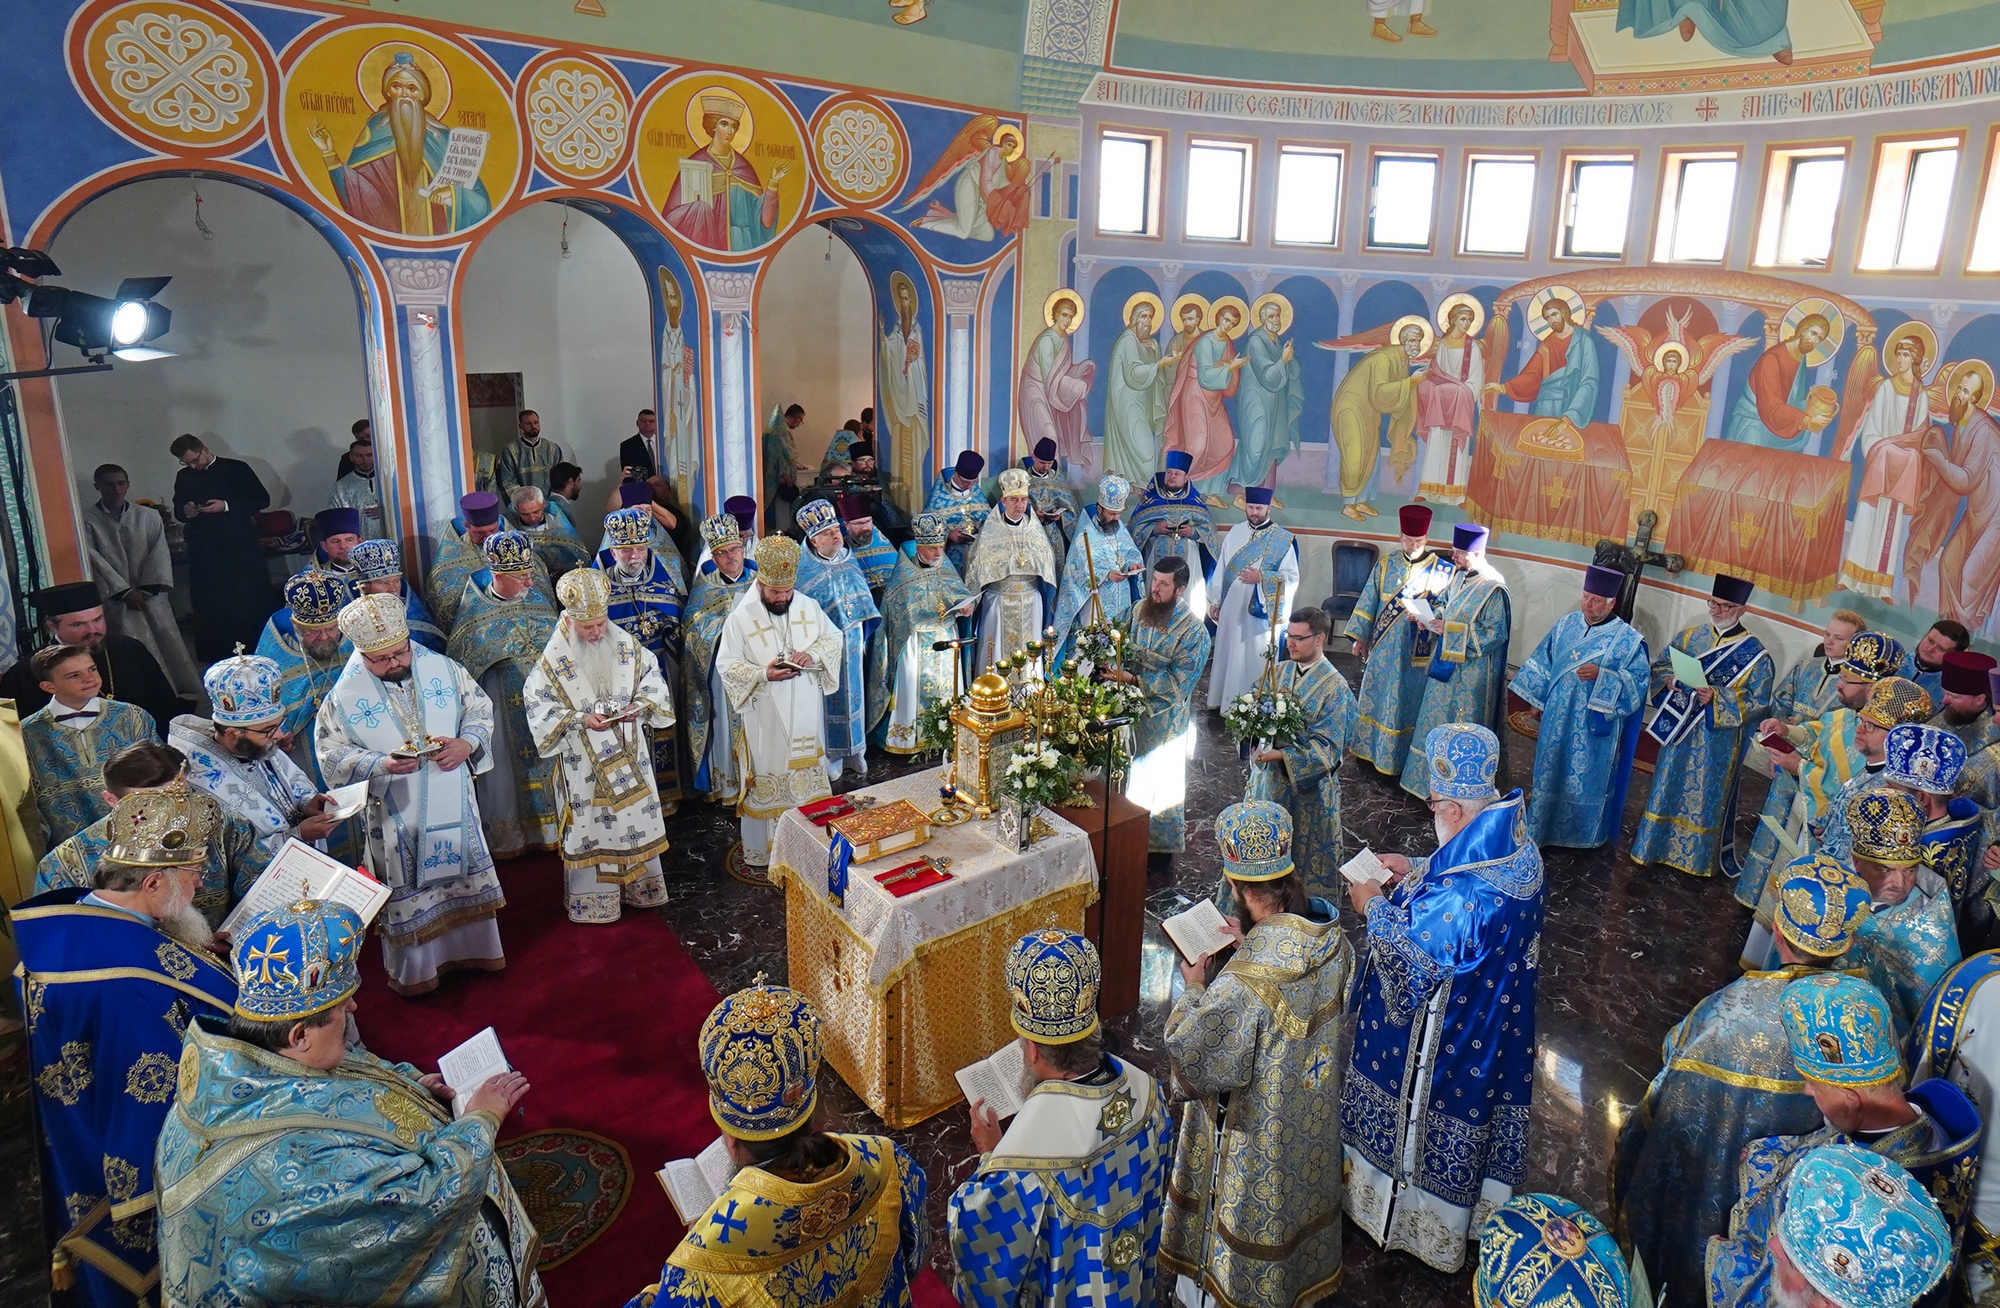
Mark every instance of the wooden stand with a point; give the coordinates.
(1116, 924)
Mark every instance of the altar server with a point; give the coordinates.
(1173, 521)
(647, 598)
(305, 641)
(921, 609)
(709, 722)
(1589, 677)
(1394, 648)
(772, 1237)
(1164, 654)
(417, 728)
(591, 697)
(1056, 505)
(1303, 775)
(1727, 1079)
(1957, 1036)
(1700, 734)
(829, 575)
(68, 740)
(959, 499)
(134, 572)
(1099, 577)
(1845, 1048)
(112, 976)
(1013, 570)
(779, 657)
(1468, 673)
(1462, 923)
(73, 614)
(294, 1170)
(1256, 576)
(378, 568)
(235, 755)
(504, 621)
(1065, 1206)
(1543, 1251)
(1253, 1217)
(1910, 940)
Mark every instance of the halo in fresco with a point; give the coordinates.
(1457, 300)
(859, 149)
(1979, 368)
(1284, 310)
(1836, 327)
(173, 73)
(1422, 324)
(402, 131)
(1242, 314)
(579, 116)
(1144, 297)
(1192, 300)
(723, 160)
(1927, 344)
(1056, 297)
(1540, 301)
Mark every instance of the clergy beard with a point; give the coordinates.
(1954, 718)
(397, 677)
(248, 751)
(1155, 613)
(598, 662)
(406, 124)
(627, 572)
(184, 922)
(776, 608)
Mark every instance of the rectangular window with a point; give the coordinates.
(1499, 201)
(1801, 200)
(1401, 195)
(1128, 184)
(1308, 210)
(1909, 204)
(1697, 201)
(1218, 190)
(1985, 256)
(1597, 206)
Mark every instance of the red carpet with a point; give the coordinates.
(602, 1020)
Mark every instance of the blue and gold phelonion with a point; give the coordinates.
(297, 961)
(1840, 1031)
(760, 1050)
(1053, 977)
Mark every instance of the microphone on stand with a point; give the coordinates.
(943, 645)
(1098, 726)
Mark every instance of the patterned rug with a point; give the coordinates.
(573, 1184)
(735, 866)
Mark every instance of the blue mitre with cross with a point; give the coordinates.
(760, 1050)
(377, 560)
(298, 961)
(1464, 758)
(314, 598)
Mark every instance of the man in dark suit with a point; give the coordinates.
(219, 500)
(635, 452)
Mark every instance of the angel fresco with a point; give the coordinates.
(1890, 424)
(1382, 383)
(990, 176)
(1674, 369)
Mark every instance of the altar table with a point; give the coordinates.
(1539, 477)
(913, 989)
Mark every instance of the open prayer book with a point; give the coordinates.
(348, 800)
(302, 872)
(1365, 867)
(996, 1079)
(1198, 931)
(467, 1067)
(695, 1183)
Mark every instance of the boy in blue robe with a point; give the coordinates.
(1589, 678)
(68, 740)
(110, 978)
(1472, 621)
(834, 581)
(1066, 1205)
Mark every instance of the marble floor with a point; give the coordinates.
(1626, 951)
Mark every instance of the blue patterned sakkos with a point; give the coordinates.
(1468, 672)
(836, 583)
(1306, 782)
(66, 759)
(921, 607)
(304, 640)
(1463, 924)
(706, 719)
(647, 600)
(1910, 940)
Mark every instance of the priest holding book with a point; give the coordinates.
(416, 727)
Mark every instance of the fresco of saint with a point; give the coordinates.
(1053, 386)
(1777, 409)
(1890, 431)
(1559, 380)
(1206, 376)
(717, 201)
(386, 180)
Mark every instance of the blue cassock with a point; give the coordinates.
(108, 999)
(1590, 729)
(838, 586)
(962, 510)
(1456, 944)
(1106, 551)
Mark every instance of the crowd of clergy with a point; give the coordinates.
(215, 1131)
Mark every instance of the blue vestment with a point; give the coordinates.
(1399, 654)
(66, 768)
(649, 610)
(841, 591)
(1446, 1006)
(1693, 800)
(1907, 948)
(302, 687)
(876, 558)
(708, 606)
(1571, 390)
(1728, 1079)
(768, 1241)
(107, 998)
(1467, 677)
(498, 641)
(962, 510)
(919, 609)
(1067, 1208)
(1307, 781)
(1107, 552)
(1589, 730)
(1153, 526)
(1169, 662)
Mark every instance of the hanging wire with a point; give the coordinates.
(565, 234)
(207, 232)
(829, 242)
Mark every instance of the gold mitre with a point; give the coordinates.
(778, 561)
(585, 594)
(168, 826)
(375, 623)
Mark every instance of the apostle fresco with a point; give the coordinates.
(1135, 398)
(1773, 410)
(1448, 400)
(1053, 386)
(717, 200)
(1559, 380)
(1269, 396)
(1380, 383)
(387, 178)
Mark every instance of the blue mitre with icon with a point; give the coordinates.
(314, 598)
(1543, 1251)
(1464, 759)
(1256, 841)
(509, 551)
(1053, 977)
(377, 560)
(760, 1050)
(626, 527)
(1861, 1230)
(1924, 758)
(244, 690)
(1840, 1031)
(298, 961)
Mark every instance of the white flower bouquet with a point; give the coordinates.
(1038, 775)
(1264, 715)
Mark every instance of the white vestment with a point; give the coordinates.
(424, 837)
(354, 491)
(268, 793)
(1240, 639)
(783, 723)
(906, 405)
(129, 550)
(613, 830)
(680, 424)
(1009, 561)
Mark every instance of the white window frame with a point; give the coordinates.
(1375, 157)
(1673, 168)
(1882, 235)
(1339, 155)
(1156, 144)
(1473, 158)
(1248, 149)
(1982, 249)
(1573, 163)
(1775, 200)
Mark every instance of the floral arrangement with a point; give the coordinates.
(1263, 714)
(935, 732)
(1099, 644)
(1040, 774)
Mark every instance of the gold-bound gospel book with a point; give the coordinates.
(884, 829)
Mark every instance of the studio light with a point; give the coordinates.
(124, 324)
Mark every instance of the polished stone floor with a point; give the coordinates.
(1626, 951)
